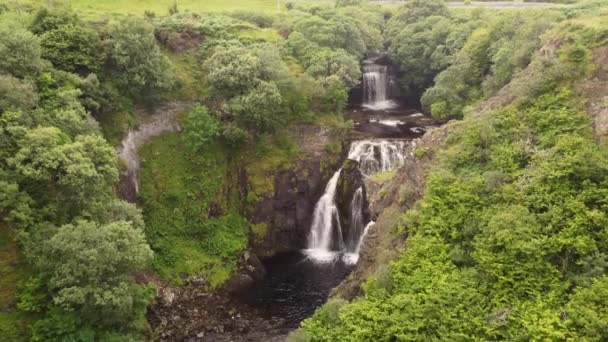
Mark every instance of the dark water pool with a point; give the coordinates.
(294, 287)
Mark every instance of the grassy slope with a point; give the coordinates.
(179, 189)
(160, 7)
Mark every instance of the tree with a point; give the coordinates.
(20, 51)
(414, 11)
(89, 268)
(326, 62)
(50, 19)
(260, 108)
(415, 48)
(73, 48)
(16, 94)
(331, 94)
(66, 175)
(200, 127)
(232, 71)
(136, 66)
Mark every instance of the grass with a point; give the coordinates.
(261, 35)
(185, 66)
(13, 324)
(161, 7)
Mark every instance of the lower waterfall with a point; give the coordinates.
(325, 215)
(328, 240)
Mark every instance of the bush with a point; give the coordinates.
(51, 19)
(16, 94)
(260, 108)
(200, 127)
(20, 51)
(74, 49)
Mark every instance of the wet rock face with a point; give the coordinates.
(287, 213)
(350, 180)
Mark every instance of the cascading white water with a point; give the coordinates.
(377, 155)
(373, 156)
(375, 85)
(325, 217)
(356, 220)
(352, 258)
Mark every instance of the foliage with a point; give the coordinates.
(20, 51)
(16, 94)
(510, 217)
(47, 19)
(91, 269)
(200, 127)
(232, 71)
(260, 108)
(184, 202)
(259, 19)
(136, 65)
(331, 95)
(74, 49)
(326, 63)
(490, 57)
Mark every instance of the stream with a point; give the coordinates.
(298, 282)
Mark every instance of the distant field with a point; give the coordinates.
(162, 6)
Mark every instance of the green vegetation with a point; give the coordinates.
(190, 220)
(69, 248)
(271, 153)
(510, 234)
(508, 242)
(381, 177)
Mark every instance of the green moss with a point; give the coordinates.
(180, 189)
(259, 230)
(115, 126)
(381, 177)
(420, 152)
(271, 153)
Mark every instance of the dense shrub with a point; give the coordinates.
(74, 49)
(200, 127)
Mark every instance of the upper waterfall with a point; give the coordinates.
(377, 155)
(375, 86)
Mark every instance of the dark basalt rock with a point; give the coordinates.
(350, 180)
(287, 212)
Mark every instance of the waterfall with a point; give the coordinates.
(356, 220)
(352, 258)
(326, 241)
(375, 86)
(325, 217)
(377, 155)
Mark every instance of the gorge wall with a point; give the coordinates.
(281, 219)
